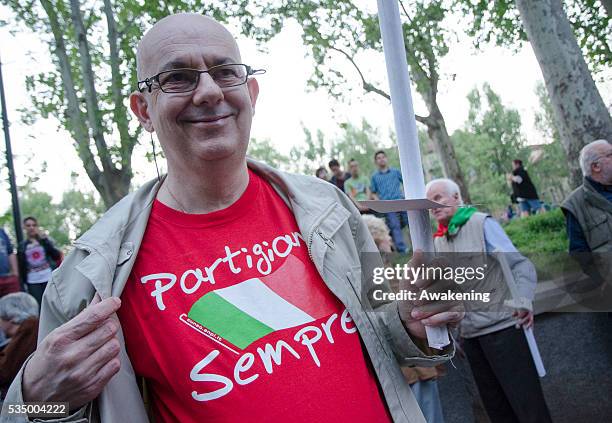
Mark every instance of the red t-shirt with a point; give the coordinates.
(227, 318)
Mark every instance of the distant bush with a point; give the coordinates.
(541, 233)
(538, 237)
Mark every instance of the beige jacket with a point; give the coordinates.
(103, 258)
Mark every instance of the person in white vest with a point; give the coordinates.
(495, 346)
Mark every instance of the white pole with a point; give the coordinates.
(517, 301)
(407, 138)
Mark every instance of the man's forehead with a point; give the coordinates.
(437, 188)
(179, 39)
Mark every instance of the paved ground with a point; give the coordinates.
(577, 353)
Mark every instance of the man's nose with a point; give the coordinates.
(207, 91)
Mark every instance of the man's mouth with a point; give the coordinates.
(207, 119)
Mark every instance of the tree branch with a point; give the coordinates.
(91, 97)
(366, 85)
(371, 88)
(422, 119)
(119, 111)
(76, 118)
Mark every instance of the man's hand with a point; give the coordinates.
(416, 315)
(361, 208)
(76, 360)
(523, 318)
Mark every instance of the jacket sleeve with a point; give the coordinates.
(408, 351)
(51, 318)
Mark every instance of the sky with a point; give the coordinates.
(284, 105)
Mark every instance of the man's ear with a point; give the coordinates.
(253, 87)
(140, 108)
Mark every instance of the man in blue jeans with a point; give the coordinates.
(387, 185)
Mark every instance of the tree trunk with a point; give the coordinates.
(436, 129)
(607, 4)
(579, 110)
(111, 182)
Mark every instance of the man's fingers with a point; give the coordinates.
(98, 337)
(444, 318)
(430, 309)
(97, 382)
(101, 356)
(418, 258)
(91, 318)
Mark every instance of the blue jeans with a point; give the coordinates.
(396, 221)
(428, 397)
(530, 206)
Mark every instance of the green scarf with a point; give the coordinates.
(460, 218)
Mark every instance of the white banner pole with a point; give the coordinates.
(407, 138)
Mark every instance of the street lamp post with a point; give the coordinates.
(9, 163)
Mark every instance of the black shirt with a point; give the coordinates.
(340, 182)
(525, 189)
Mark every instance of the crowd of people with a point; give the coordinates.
(227, 290)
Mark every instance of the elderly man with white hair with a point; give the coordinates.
(510, 392)
(588, 210)
(19, 321)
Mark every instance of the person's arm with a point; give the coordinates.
(67, 342)
(13, 264)
(408, 349)
(50, 248)
(575, 234)
(374, 188)
(399, 175)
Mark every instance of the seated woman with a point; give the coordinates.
(19, 321)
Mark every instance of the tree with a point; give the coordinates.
(93, 47)
(354, 142)
(91, 50)
(553, 173)
(264, 151)
(486, 147)
(64, 221)
(333, 29)
(580, 113)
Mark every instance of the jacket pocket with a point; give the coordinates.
(597, 230)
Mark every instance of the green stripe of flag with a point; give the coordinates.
(227, 321)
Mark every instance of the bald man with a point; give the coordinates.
(227, 290)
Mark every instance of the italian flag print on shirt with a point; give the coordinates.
(250, 310)
(228, 320)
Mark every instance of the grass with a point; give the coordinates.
(541, 233)
(539, 237)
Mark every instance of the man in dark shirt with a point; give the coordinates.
(338, 175)
(524, 190)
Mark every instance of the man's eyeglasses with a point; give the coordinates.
(184, 80)
(603, 156)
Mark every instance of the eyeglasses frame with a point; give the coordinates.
(155, 78)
